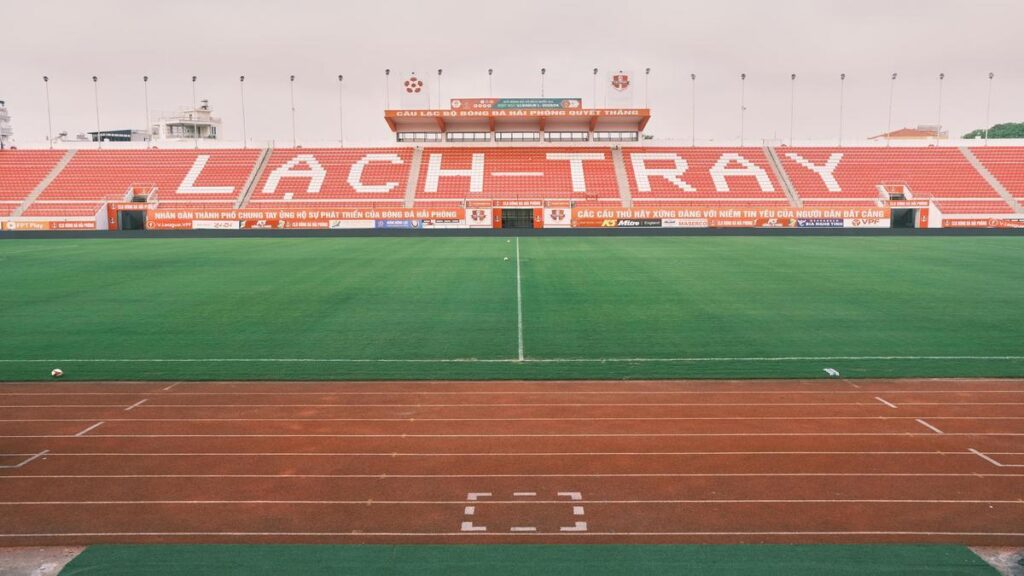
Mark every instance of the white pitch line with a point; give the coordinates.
(136, 405)
(887, 403)
(360, 534)
(86, 431)
(471, 510)
(519, 303)
(506, 360)
(929, 426)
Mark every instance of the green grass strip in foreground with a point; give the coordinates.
(501, 560)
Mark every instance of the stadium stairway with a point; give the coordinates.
(57, 169)
(620, 177)
(414, 177)
(991, 179)
(254, 177)
(783, 178)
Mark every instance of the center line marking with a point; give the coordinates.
(136, 405)
(883, 401)
(927, 425)
(519, 302)
(90, 428)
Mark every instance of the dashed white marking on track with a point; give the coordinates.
(929, 426)
(474, 496)
(577, 527)
(169, 388)
(469, 527)
(468, 511)
(90, 428)
(523, 529)
(886, 402)
(577, 510)
(994, 461)
(136, 405)
(572, 495)
(524, 494)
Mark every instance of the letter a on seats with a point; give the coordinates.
(188, 185)
(475, 173)
(720, 171)
(314, 171)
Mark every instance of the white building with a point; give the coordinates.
(6, 132)
(185, 124)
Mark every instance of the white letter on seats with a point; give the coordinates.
(475, 173)
(315, 172)
(826, 171)
(579, 182)
(643, 174)
(188, 185)
(355, 174)
(721, 170)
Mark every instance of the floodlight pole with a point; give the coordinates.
(938, 125)
(595, 89)
(145, 90)
(988, 108)
(439, 71)
(743, 105)
(647, 85)
(387, 88)
(96, 99)
(341, 111)
(892, 90)
(195, 114)
(490, 82)
(792, 106)
(842, 92)
(241, 88)
(543, 71)
(49, 116)
(291, 89)
(693, 110)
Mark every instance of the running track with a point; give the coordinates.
(474, 462)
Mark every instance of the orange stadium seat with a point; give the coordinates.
(541, 173)
(20, 172)
(822, 175)
(332, 178)
(181, 179)
(1007, 165)
(702, 176)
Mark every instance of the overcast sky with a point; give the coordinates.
(267, 40)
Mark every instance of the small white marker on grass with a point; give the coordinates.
(832, 372)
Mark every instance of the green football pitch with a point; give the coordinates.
(499, 308)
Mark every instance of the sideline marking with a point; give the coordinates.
(136, 405)
(923, 423)
(889, 404)
(519, 302)
(511, 360)
(93, 427)
(23, 462)
(471, 510)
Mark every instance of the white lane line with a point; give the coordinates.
(883, 401)
(505, 405)
(499, 534)
(136, 405)
(540, 419)
(509, 454)
(508, 360)
(929, 426)
(86, 431)
(594, 435)
(565, 392)
(471, 510)
(560, 475)
(519, 303)
(169, 388)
